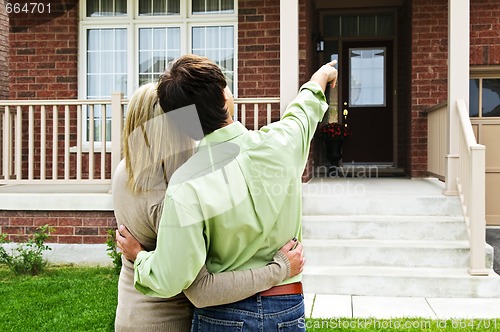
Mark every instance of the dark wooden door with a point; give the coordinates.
(366, 101)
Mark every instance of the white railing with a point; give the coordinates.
(260, 109)
(437, 132)
(471, 188)
(471, 174)
(43, 141)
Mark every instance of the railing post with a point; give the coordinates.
(458, 83)
(477, 218)
(289, 52)
(116, 129)
(5, 147)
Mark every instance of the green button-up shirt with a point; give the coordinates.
(235, 202)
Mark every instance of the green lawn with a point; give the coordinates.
(84, 299)
(60, 299)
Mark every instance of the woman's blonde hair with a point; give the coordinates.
(152, 146)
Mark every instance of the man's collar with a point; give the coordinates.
(224, 134)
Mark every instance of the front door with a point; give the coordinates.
(366, 102)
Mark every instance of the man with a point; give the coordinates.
(235, 201)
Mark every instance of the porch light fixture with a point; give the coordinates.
(320, 43)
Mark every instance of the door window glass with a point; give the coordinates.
(367, 77)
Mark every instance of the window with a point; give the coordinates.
(157, 47)
(213, 6)
(106, 8)
(129, 43)
(335, 26)
(216, 43)
(484, 98)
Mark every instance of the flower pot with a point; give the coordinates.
(333, 151)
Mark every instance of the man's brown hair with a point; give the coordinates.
(194, 79)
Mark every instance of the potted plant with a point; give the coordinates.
(333, 134)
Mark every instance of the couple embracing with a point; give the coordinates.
(210, 235)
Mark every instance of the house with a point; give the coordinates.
(409, 70)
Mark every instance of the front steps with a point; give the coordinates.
(388, 237)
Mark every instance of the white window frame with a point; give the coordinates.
(133, 22)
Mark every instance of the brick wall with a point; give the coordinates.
(259, 48)
(43, 53)
(4, 51)
(82, 227)
(429, 61)
(429, 73)
(259, 54)
(485, 32)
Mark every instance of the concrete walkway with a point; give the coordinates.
(363, 307)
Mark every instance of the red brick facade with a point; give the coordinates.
(485, 32)
(44, 53)
(4, 51)
(69, 226)
(429, 73)
(258, 48)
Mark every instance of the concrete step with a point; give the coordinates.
(381, 205)
(444, 254)
(388, 237)
(389, 196)
(377, 227)
(384, 281)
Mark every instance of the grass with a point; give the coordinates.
(84, 299)
(59, 299)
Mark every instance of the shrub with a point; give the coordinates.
(113, 251)
(27, 258)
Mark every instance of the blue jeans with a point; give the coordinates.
(281, 313)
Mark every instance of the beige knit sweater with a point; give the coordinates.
(137, 312)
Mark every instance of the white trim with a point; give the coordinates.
(289, 51)
(458, 81)
(55, 201)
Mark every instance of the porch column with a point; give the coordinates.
(458, 82)
(289, 51)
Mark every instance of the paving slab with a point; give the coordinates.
(390, 307)
(308, 303)
(447, 308)
(332, 306)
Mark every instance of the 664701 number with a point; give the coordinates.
(27, 8)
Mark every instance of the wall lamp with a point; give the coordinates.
(320, 43)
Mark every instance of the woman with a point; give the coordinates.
(153, 149)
